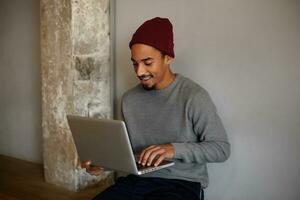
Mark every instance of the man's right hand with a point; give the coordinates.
(91, 169)
(155, 154)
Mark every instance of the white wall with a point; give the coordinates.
(20, 82)
(246, 53)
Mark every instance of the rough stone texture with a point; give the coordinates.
(75, 80)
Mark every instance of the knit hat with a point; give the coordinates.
(156, 32)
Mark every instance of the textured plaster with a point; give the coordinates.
(75, 80)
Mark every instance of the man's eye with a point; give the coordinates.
(148, 64)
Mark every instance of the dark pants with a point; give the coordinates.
(138, 188)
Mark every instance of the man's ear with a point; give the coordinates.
(168, 59)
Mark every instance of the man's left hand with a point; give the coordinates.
(91, 169)
(155, 154)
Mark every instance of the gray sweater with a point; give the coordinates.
(184, 115)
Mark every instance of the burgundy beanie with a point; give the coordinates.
(156, 32)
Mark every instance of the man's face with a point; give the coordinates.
(151, 67)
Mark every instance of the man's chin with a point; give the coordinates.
(148, 88)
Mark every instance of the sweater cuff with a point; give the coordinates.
(179, 150)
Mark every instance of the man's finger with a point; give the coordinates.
(145, 151)
(154, 155)
(147, 154)
(159, 160)
(94, 170)
(86, 164)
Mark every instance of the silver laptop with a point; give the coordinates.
(106, 143)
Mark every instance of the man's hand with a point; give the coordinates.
(156, 154)
(91, 169)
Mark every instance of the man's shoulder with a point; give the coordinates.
(190, 87)
(196, 95)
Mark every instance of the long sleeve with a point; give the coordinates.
(212, 145)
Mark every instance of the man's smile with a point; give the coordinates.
(145, 78)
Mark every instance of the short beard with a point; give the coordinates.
(144, 86)
(148, 88)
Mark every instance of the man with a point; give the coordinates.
(167, 116)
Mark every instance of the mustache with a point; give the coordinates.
(145, 76)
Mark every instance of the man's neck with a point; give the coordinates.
(170, 77)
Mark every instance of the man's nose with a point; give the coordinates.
(140, 70)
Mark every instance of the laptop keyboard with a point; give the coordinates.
(141, 167)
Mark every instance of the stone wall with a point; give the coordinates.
(76, 79)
